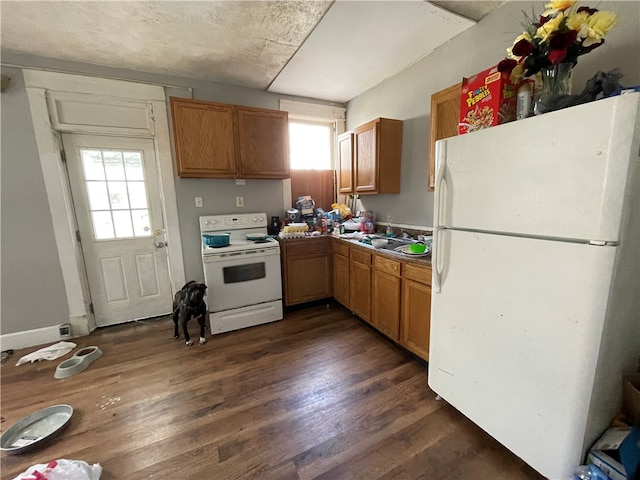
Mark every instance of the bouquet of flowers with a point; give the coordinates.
(560, 35)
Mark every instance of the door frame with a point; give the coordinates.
(41, 87)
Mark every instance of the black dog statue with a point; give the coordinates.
(189, 303)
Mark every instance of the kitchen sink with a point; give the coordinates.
(395, 243)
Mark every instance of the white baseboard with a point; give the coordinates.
(39, 336)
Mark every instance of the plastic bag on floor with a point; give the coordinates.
(62, 470)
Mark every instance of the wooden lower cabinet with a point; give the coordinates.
(416, 310)
(307, 269)
(360, 283)
(394, 296)
(386, 296)
(341, 273)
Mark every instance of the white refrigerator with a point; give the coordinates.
(535, 311)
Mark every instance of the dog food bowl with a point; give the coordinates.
(78, 363)
(35, 429)
(217, 240)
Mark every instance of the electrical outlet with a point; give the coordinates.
(199, 203)
(239, 201)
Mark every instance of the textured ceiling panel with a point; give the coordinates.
(238, 42)
(246, 43)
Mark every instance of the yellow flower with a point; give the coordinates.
(578, 22)
(548, 28)
(557, 6)
(517, 74)
(524, 36)
(598, 25)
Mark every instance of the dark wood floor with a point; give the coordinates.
(317, 395)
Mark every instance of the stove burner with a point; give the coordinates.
(218, 246)
(262, 240)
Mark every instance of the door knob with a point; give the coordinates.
(160, 245)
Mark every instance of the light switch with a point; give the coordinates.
(199, 203)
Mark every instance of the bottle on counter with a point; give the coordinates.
(389, 231)
(524, 107)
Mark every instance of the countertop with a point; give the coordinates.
(415, 259)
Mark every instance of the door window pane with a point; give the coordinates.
(118, 206)
(133, 165)
(141, 225)
(102, 225)
(98, 196)
(122, 223)
(118, 195)
(137, 195)
(92, 165)
(113, 165)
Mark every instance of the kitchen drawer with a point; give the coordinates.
(359, 255)
(340, 248)
(387, 265)
(307, 246)
(418, 274)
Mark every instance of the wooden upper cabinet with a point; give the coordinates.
(445, 116)
(204, 138)
(378, 153)
(263, 143)
(217, 140)
(345, 163)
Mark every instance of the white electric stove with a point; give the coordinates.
(244, 282)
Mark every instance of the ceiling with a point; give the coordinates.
(318, 49)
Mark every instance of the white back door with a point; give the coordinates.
(116, 198)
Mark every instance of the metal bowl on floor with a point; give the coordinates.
(36, 429)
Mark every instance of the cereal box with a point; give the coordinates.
(488, 99)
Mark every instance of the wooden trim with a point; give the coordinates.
(449, 94)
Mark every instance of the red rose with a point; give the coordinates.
(522, 48)
(507, 65)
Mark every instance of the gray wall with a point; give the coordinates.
(407, 96)
(33, 294)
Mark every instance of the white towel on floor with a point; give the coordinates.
(48, 353)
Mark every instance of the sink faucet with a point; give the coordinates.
(405, 234)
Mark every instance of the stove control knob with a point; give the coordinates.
(213, 222)
(206, 222)
(261, 219)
